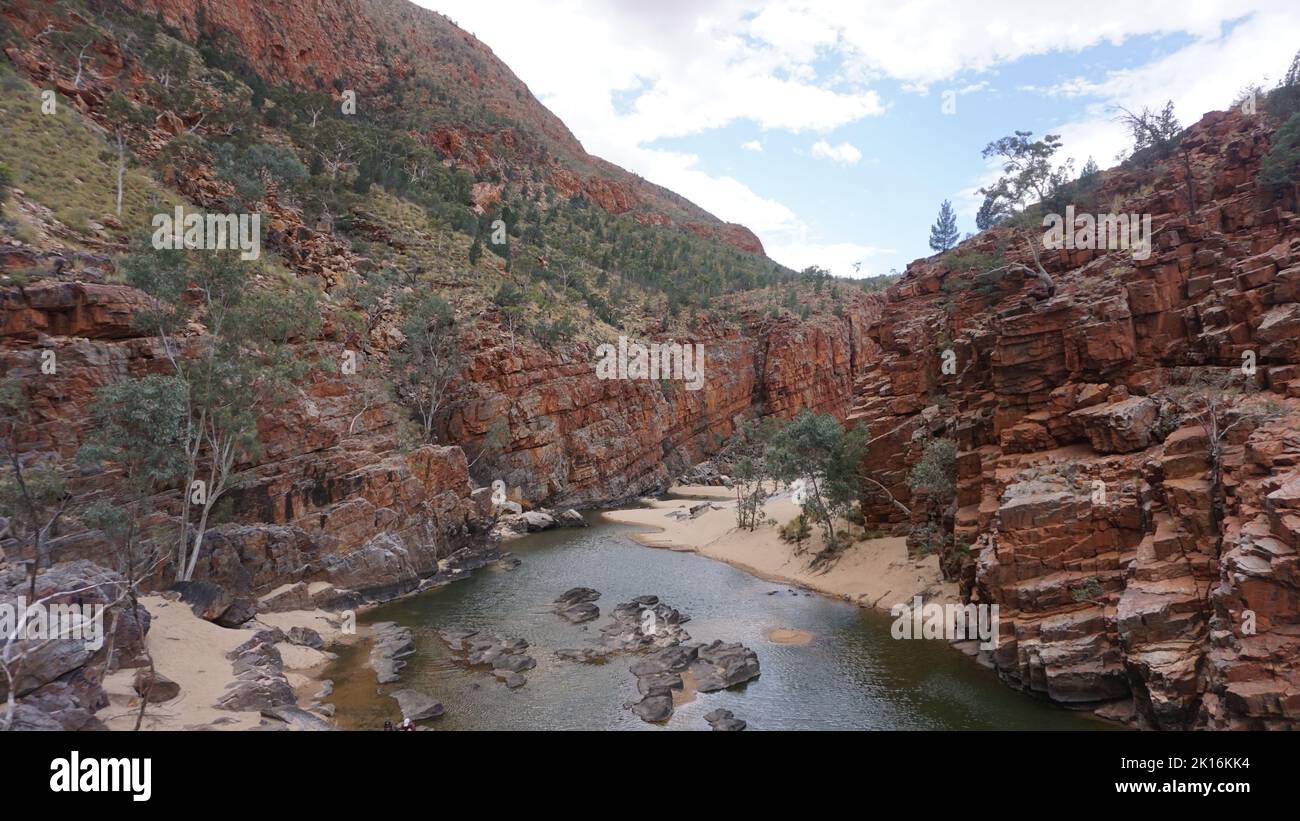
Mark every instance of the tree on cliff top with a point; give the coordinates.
(1159, 133)
(1028, 176)
(944, 234)
(1156, 130)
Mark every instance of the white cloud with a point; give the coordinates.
(752, 145)
(837, 257)
(928, 41)
(685, 67)
(717, 194)
(973, 88)
(844, 153)
(1247, 52)
(1252, 50)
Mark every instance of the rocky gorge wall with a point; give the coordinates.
(1085, 504)
(576, 439)
(335, 495)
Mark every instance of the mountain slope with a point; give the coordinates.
(480, 114)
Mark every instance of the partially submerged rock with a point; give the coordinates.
(652, 628)
(724, 721)
(513, 524)
(505, 656)
(576, 605)
(390, 644)
(655, 709)
(586, 655)
(417, 706)
(643, 623)
(571, 518)
(296, 718)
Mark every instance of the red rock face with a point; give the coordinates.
(69, 309)
(737, 236)
(579, 439)
(299, 41)
(1130, 571)
(333, 497)
(1088, 507)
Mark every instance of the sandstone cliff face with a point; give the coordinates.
(1085, 506)
(334, 496)
(577, 439)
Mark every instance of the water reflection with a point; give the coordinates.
(852, 675)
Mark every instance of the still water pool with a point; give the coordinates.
(851, 676)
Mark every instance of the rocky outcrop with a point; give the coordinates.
(1136, 562)
(514, 525)
(56, 679)
(211, 602)
(417, 706)
(260, 683)
(653, 630)
(332, 501)
(576, 439)
(390, 643)
(724, 721)
(330, 498)
(578, 605)
(505, 656)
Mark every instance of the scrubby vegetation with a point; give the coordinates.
(1280, 167)
(933, 481)
(61, 162)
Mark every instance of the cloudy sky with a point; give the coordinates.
(834, 129)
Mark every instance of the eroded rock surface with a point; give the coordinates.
(1132, 573)
(390, 644)
(506, 657)
(578, 605)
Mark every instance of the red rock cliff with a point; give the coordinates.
(1085, 505)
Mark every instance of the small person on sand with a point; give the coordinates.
(408, 725)
(388, 727)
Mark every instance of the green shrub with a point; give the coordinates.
(936, 471)
(6, 182)
(1280, 167)
(796, 530)
(1091, 589)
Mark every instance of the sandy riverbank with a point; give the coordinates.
(192, 653)
(874, 573)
